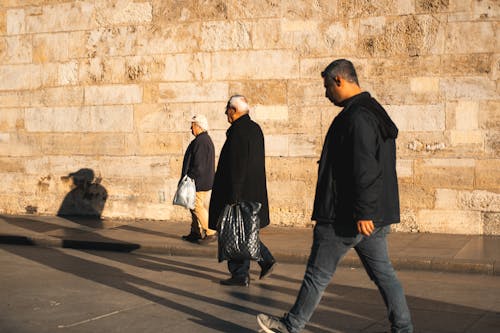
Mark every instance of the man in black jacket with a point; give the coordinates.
(241, 176)
(356, 201)
(199, 164)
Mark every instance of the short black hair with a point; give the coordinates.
(343, 68)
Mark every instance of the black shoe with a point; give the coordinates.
(236, 281)
(267, 269)
(193, 238)
(208, 239)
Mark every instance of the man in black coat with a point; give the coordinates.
(356, 201)
(241, 176)
(199, 164)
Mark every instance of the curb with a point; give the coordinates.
(483, 267)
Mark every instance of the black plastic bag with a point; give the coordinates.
(238, 232)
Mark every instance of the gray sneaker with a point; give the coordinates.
(270, 324)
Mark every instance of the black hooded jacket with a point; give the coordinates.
(357, 170)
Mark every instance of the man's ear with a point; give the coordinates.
(337, 80)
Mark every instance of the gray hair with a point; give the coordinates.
(239, 103)
(343, 68)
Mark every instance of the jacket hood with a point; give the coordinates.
(387, 127)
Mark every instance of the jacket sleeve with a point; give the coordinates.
(198, 161)
(239, 156)
(367, 173)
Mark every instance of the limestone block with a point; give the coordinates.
(491, 222)
(62, 166)
(306, 9)
(396, 91)
(80, 119)
(418, 117)
(342, 37)
(459, 138)
(20, 77)
(15, 50)
(3, 22)
(486, 10)
(255, 65)
(479, 200)
(187, 67)
(466, 114)
(268, 92)
(193, 92)
(158, 118)
(473, 88)
(372, 25)
(304, 145)
(173, 38)
(169, 11)
(50, 48)
(408, 222)
(9, 164)
(19, 144)
(50, 74)
(111, 118)
(446, 173)
(267, 34)
(225, 35)
(15, 19)
(447, 199)
(306, 93)
(134, 166)
(68, 73)
(50, 97)
(83, 144)
(77, 44)
(253, 9)
(114, 41)
(424, 85)
(61, 17)
(415, 196)
(476, 64)
(422, 144)
(432, 6)
(113, 94)
(11, 120)
(156, 144)
(13, 98)
(450, 221)
(277, 145)
(487, 174)
(471, 37)
(270, 112)
(122, 12)
(489, 115)
(429, 66)
(404, 168)
(495, 67)
(408, 35)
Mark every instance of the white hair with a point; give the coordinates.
(239, 102)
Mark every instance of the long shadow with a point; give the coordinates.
(85, 239)
(118, 279)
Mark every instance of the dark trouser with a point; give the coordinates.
(327, 250)
(240, 268)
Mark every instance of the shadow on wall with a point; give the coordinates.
(87, 198)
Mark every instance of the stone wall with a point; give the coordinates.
(95, 99)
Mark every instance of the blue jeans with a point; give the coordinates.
(327, 250)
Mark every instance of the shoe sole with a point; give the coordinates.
(263, 327)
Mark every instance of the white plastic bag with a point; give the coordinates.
(186, 193)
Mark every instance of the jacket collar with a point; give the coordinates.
(243, 119)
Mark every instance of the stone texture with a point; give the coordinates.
(112, 85)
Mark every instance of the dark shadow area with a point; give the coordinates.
(71, 237)
(118, 279)
(85, 202)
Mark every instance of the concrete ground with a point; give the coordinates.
(433, 252)
(68, 290)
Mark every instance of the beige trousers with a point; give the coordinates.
(199, 215)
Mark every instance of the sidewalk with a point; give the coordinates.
(437, 252)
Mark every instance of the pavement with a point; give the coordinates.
(415, 251)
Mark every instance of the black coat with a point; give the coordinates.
(357, 170)
(199, 162)
(241, 171)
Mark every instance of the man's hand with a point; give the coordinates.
(365, 227)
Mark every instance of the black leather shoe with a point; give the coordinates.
(193, 238)
(208, 239)
(236, 281)
(267, 269)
